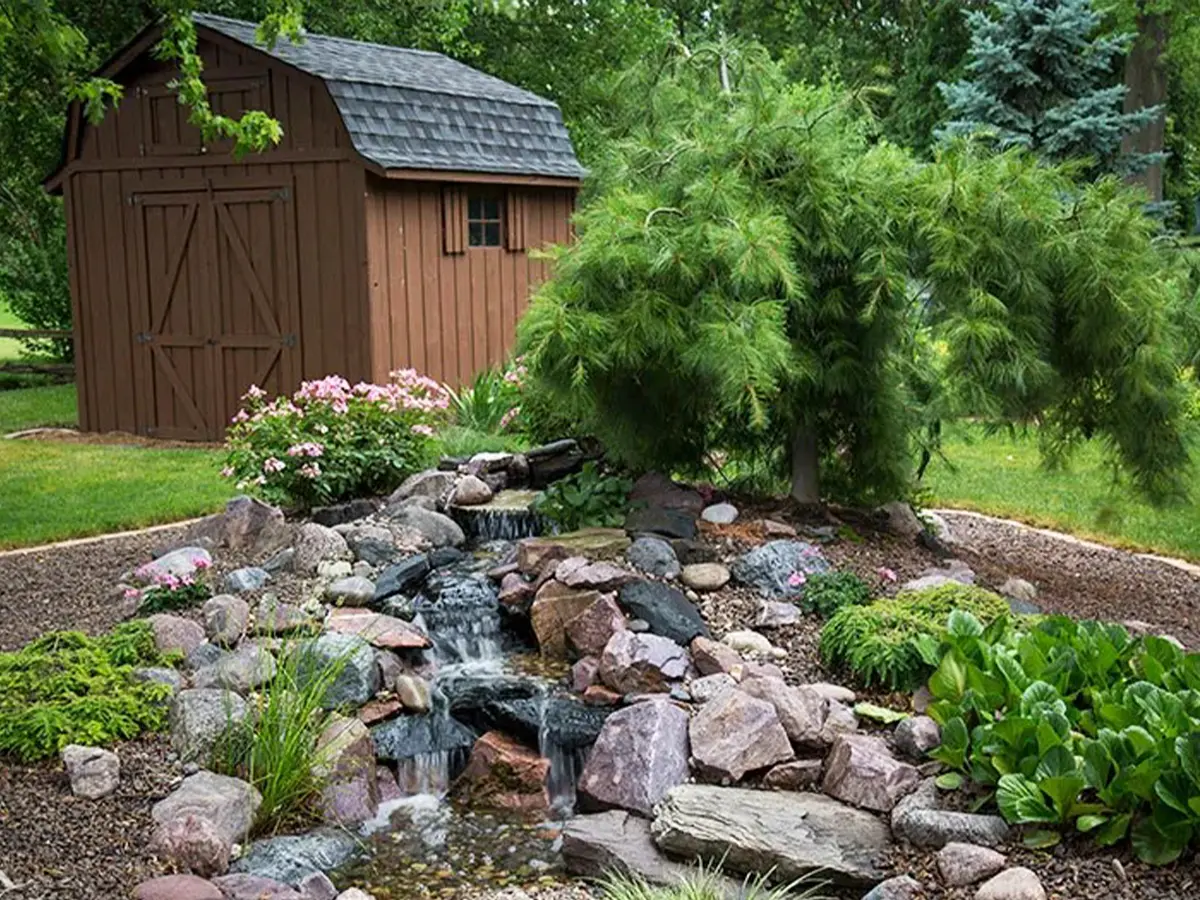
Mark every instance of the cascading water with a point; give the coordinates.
(509, 516)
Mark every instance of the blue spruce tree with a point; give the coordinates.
(1041, 78)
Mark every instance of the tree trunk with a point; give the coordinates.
(1146, 85)
(806, 482)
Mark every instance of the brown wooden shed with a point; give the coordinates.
(390, 228)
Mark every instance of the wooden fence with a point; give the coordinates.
(62, 370)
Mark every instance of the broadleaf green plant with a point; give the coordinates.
(588, 499)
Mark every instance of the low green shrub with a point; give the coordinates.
(331, 441)
(167, 592)
(880, 642)
(588, 499)
(275, 747)
(67, 688)
(826, 593)
(1074, 725)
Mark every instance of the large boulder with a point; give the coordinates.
(665, 609)
(316, 544)
(225, 619)
(860, 770)
(801, 711)
(734, 733)
(594, 543)
(174, 634)
(791, 835)
(184, 562)
(919, 820)
(590, 631)
(437, 529)
(94, 771)
(229, 803)
(242, 670)
(770, 568)
(553, 607)
(192, 843)
(199, 717)
(433, 484)
(654, 556)
(642, 752)
(292, 857)
(403, 577)
(642, 663)
(372, 544)
(377, 629)
(247, 525)
(358, 677)
(504, 774)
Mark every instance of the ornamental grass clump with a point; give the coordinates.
(334, 441)
(706, 882)
(68, 688)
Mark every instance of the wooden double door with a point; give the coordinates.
(219, 301)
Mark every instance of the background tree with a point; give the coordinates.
(748, 277)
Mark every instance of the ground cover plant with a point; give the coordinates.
(1074, 725)
(591, 498)
(881, 642)
(827, 592)
(332, 440)
(66, 688)
(166, 591)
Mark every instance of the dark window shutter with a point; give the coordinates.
(454, 219)
(515, 233)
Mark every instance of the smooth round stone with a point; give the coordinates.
(704, 577)
(720, 514)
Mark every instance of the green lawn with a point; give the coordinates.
(37, 406)
(10, 348)
(1002, 475)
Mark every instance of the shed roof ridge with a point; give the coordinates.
(541, 103)
(201, 16)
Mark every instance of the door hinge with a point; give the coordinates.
(281, 194)
(144, 337)
(287, 340)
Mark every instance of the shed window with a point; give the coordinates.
(484, 221)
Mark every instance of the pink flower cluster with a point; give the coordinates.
(796, 579)
(310, 470)
(306, 448)
(508, 417)
(271, 465)
(517, 373)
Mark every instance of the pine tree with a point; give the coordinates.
(1040, 78)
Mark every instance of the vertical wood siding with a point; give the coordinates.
(450, 315)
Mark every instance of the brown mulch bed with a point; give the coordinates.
(120, 438)
(56, 846)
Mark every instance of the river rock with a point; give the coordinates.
(901, 520)
(801, 711)
(241, 670)
(437, 529)
(314, 545)
(768, 568)
(176, 634)
(248, 578)
(273, 616)
(377, 629)
(642, 663)
(229, 803)
(962, 864)
(1017, 883)
(359, 677)
(918, 820)
(177, 887)
(403, 577)
(584, 673)
(704, 689)
(734, 733)
(503, 774)
(861, 771)
(225, 619)
(657, 520)
(194, 844)
(590, 631)
(199, 717)
(577, 572)
(471, 491)
(654, 556)
(799, 775)
(641, 753)
(253, 887)
(902, 887)
(94, 772)
(917, 735)
(413, 692)
(553, 607)
(720, 514)
(747, 641)
(352, 591)
(776, 614)
(291, 857)
(712, 656)
(316, 886)
(372, 544)
(789, 834)
(669, 613)
(705, 577)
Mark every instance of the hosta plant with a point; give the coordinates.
(334, 441)
(589, 498)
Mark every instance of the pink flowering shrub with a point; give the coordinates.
(334, 441)
(162, 591)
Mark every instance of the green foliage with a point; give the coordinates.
(168, 592)
(882, 643)
(454, 440)
(707, 882)
(491, 403)
(275, 747)
(751, 268)
(1075, 724)
(826, 593)
(587, 499)
(331, 441)
(68, 688)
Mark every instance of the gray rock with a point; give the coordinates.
(656, 489)
(94, 772)
(272, 616)
(1017, 883)
(776, 614)
(657, 520)
(917, 735)
(902, 887)
(789, 834)
(654, 556)
(705, 577)
(242, 670)
(372, 544)
(839, 720)
(734, 733)
(173, 633)
(918, 820)
(720, 514)
(246, 524)
(901, 520)
(402, 577)
(225, 619)
(641, 753)
(962, 864)
(767, 568)
(199, 717)
(292, 857)
(194, 844)
(470, 491)
(953, 571)
(184, 562)
(437, 529)
(204, 655)
(705, 688)
(229, 803)
(406, 737)
(669, 613)
(833, 691)
(253, 887)
(248, 578)
(344, 513)
(316, 886)
(432, 484)
(799, 775)
(1019, 589)
(157, 675)
(358, 678)
(712, 657)
(861, 771)
(642, 663)
(413, 692)
(352, 591)
(801, 711)
(316, 544)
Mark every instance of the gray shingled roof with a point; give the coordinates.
(411, 109)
